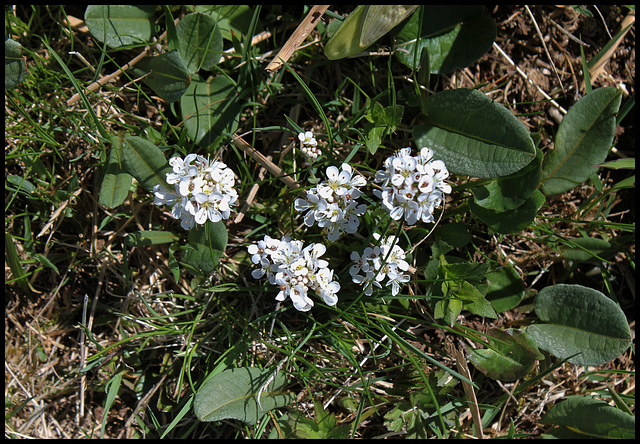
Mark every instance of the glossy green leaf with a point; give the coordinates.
(363, 27)
(210, 109)
(510, 355)
(474, 135)
(583, 141)
(141, 238)
(584, 416)
(510, 192)
(233, 394)
(120, 25)
(206, 245)
(506, 289)
(116, 182)
(511, 221)
(200, 42)
(15, 68)
(454, 35)
(579, 320)
(144, 161)
(165, 74)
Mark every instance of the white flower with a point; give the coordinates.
(209, 206)
(295, 269)
(203, 190)
(382, 261)
(307, 139)
(333, 203)
(412, 187)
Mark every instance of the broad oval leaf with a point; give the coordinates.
(120, 25)
(210, 109)
(454, 35)
(165, 74)
(586, 416)
(506, 289)
(233, 394)
(144, 161)
(200, 42)
(116, 182)
(15, 69)
(579, 320)
(511, 221)
(474, 135)
(510, 192)
(583, 140)
(510, 356)
(206, 245)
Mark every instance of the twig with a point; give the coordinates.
(544, 45)
(274, 169)
(298, 36)
(546, 96)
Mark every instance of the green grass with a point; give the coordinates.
(116, 339)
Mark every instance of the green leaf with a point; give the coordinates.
(210, 109)
(140, 238)
(19, 275)
(510, 355)
(200, 42)
(144, 161)
(363, 27)
(585, 416)
(15, 68)
(116, 183)
(590, 248)
(454, 35)
(165, 74)
(230, 18)
(233, 394)
(512, 221)
(381, 121)
(510, 192)
(582, 142)
(206, 245)
(579, 320)
(455, 234)
(506, 289)
(474, 135)
(120, 25)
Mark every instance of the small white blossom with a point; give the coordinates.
(377, 263)
(333, 203)
(309, 146)
(203, 190)
(412, 187)
(295, 269)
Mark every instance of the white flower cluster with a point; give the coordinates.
(385, 260)
(203, 190)
(295, 270)
(412, 186)
(334, 202)
(309, 146)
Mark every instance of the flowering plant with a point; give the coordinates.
(378, 262)
(203, 190)
(295, 269)
(334, 202)
(412, 186)
(309, 146)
